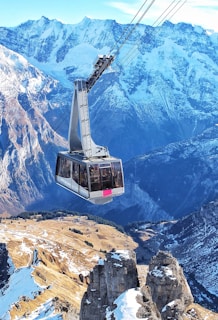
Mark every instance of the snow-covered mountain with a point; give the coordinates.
(162, 88)
(170, 182)
(28, 140)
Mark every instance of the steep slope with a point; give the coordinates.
(177, 180)
(163, 85)
(48, 263)
(193, 241)
(161, 89)
(28, 142)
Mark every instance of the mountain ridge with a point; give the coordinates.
(163, 92)
(193, 241)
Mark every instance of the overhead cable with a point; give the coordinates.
(129, 25)
(168, 12)
(164, 15)
(134, 27)
(178, 9)
(163, 12)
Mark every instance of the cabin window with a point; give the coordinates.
(106, 177)
(95, 177)
(63, 167)
(83, 176)
(75, 172)
(79, 174)
(117, 174)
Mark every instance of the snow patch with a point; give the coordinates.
(119, 254)
(15, 289)
(127, 306)
(170, 304)
(162, 272)
(118, 265)
(46, 311)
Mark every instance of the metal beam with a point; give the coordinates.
(101, 65)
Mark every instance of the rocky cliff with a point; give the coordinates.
(193, 240)
(169, 288)
(165, 295)
(111, 277)
(45, 265)
(5, 270)
(28, 140)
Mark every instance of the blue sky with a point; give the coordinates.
(14, 12)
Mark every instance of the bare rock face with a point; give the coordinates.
(169, 288)
(148, 309)
(5, 268)
(111, 277)
(165, 295)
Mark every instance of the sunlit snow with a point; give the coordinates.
(120, 254)
(16, 288)
(127, 306)
(46, 311)
(161, 272)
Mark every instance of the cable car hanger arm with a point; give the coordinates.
(101, 65)
(81, 140)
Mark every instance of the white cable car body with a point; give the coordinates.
(87, 169)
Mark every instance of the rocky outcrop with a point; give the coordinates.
(148, 309)
(193, 241)
(111, 277)
(6, 268)
(165, 295)
(169, 288)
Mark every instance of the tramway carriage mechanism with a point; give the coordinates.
(87, 169)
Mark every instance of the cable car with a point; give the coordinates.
(87, 169)
(97, 180)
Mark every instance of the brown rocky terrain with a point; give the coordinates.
(193, 241)
(62, 252)
(67, 249)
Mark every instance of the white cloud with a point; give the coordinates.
(203, 13)
(124, 7)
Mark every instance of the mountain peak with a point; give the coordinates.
(162, 89)
(45, 19)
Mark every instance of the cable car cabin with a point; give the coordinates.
(97, 180)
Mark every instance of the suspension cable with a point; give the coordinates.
(163, 12)
(178, 9)
(129, 25)
(134, 27)
(166, 14)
